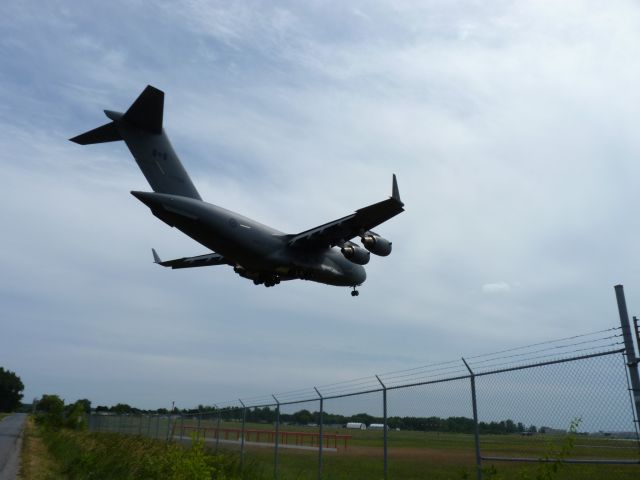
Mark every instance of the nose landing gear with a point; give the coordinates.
(355, 292)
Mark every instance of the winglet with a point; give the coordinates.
(156, 258)
(395, 193)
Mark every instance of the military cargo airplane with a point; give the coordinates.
(324, 254)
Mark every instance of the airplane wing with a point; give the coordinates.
(345, 228)
(189, 262)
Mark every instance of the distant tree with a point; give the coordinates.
(261, 415)
(121, 408)
(533, 429)
(86, 404)
(162, 411)
(362, 418)
(51, 410)
(303, 417)
(11, 388)
(102, 408)
(76, 417)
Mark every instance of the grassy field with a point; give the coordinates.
(412, 455)
(3, 415)
(427, 455)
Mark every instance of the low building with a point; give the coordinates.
(356, 425)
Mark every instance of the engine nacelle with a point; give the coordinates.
(376, 244)
(356, 254)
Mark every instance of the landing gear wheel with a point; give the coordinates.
(355, 292)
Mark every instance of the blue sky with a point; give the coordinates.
(511, 127)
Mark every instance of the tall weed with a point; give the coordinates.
(107, 456)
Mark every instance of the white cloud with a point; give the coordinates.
(511, 127)
(497, 287)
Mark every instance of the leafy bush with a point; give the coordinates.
(50, 411)
(106, 456)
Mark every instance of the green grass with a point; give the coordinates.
(303, 465)
(412, 455)
(2, 415)
(83, 455)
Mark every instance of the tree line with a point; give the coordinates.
(306, 417)
(427, 424)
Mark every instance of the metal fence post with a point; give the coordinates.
(277, 442)
(385, 426)
(244, 420)
(476, 430)
(218, 428)
(632, 361)
(198, 425)
(321, 434)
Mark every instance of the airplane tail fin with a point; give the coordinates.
(144, 114)
(141, 129)
(147, 111)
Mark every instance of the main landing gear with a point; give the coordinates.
(268, 282)
(355, 292)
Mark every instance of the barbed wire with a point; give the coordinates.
(566, 356)
(544, 343)
(553, 347)
(521, 356)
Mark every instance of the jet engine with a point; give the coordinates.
(355, 254)
(376, 244)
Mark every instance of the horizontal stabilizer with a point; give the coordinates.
(207, 260)
(105, 133)
(146, 112)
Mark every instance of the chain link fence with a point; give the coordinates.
(567, 402)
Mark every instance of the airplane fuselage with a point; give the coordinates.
(257, 250)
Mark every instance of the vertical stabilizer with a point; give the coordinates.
(146, 112)
(141, 129)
